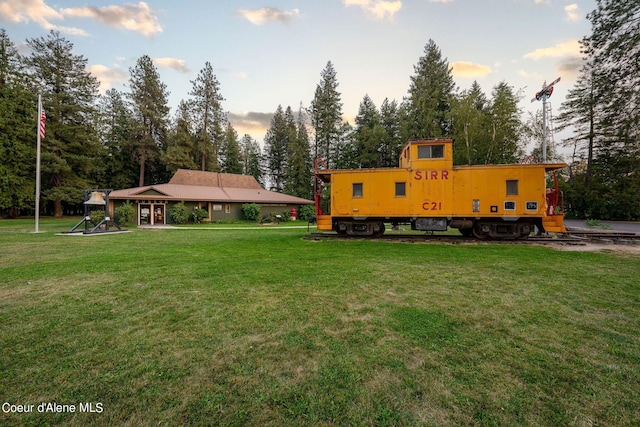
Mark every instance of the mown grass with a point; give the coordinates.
(248, 327)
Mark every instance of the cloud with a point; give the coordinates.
(573, 13)
(16, 11)
(108, 76)
(133, 17)
(469, 69)
(139, 18)
(268, 14)
(172, 63)
(440, 1)
(251, 121)
(568, 48)
(570, 66)
(379, 9)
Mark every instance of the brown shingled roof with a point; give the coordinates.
(208, 187)
(213, 179)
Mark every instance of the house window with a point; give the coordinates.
(217, 207)
(357, 189)
(430, 151)
(512, 187)
(227, 209)
(401, 189)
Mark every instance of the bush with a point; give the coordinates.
(199, 214)
(125, 214)
(306, 212)
(96, 217)
(179, 213)
(250, 211)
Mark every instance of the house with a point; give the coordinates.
(221, 194)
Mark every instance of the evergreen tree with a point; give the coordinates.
(252, 158)
(70, 149)
(504, 143)
(430, 93)
(579, 111)
(345, 153)
(115, 130)
(230, 150)
(392, 142)
(276, 144)
(326, 114)
(209, 117)
(149, 97)
(368, 134)
(614, 49)
(17, 131)
(470, 120)
(299, 176)
(181, 143)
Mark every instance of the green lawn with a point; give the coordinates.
(256, 327)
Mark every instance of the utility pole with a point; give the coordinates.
(543, 95)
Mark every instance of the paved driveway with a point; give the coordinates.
(633, 227)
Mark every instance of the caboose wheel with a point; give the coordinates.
(380, 231)
(466, 232)
(478, 232)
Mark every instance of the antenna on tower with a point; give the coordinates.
(543, 95)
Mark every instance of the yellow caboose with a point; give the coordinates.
(427, 191)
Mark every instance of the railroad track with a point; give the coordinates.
(572, 237)
(604, 237)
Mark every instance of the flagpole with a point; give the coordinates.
(38, 163)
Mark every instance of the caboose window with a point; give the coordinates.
(430, 151)
(357, 189)
(512, 187)
(401, 189)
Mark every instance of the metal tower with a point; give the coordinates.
(543, 95)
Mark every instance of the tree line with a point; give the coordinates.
(128, 138)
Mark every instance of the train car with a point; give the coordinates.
(427, 191)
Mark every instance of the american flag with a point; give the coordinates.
(43, 121)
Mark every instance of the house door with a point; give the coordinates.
(158, 214)
(145, 214)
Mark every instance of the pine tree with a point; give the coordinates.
(614, 49)
(209, 117)
(17, 132)
(579, 111)
(252, 158)
(392, 142)
(470, 120)
(326, 114)
(70, 149)
(230, 150)
(505, 126)
(276, 144)
(368, 134)
(345, 152)
(149, 97)
(115, 130)
(430, 93)
(299, 177)
(180, 145)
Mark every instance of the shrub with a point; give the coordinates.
(250, 211)
(125, 214)
(179, 213)
(199, 214)
(306, 212)
(96, 217)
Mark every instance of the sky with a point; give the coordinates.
(266, 53)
